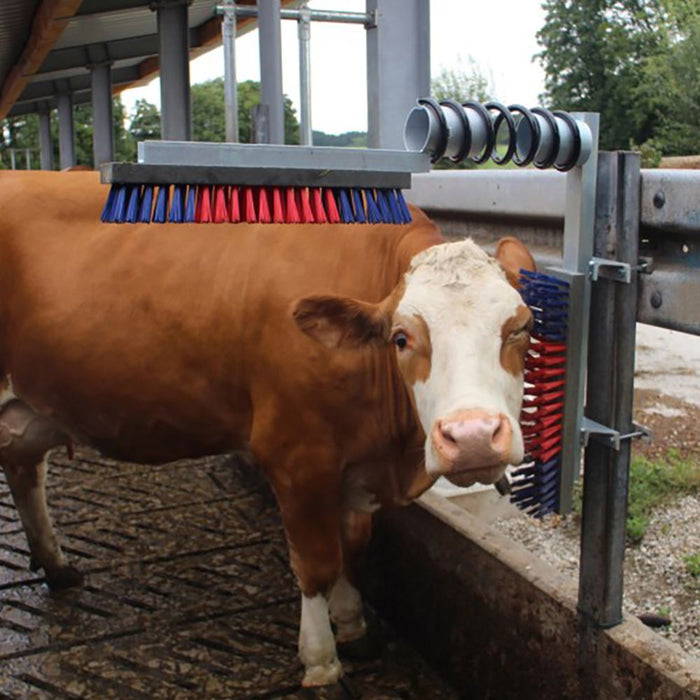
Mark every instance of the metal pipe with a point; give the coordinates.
(271, 93)
(13, 162)
(102, 117)
(609, 402)
(45, 145)
(304, 30)
(366, 18)
(173, 55)
(228, 40)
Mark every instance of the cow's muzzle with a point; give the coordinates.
(473, 445)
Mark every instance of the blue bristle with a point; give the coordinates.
(359, 206)
(177, 204)
(346, 213)
(405, 211)
(191, 204)
(146, 204)
(107, 211)
(393, 207)
(160, 211)
(383, 206)
(373, 215)
(118, 212)
(132, 209)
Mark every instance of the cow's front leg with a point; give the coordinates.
(25, 438)
(311, 516)
(345, 600)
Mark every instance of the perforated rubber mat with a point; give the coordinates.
(188, 593)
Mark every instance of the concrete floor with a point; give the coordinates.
(188, 593)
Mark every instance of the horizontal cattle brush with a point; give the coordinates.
(243, 183)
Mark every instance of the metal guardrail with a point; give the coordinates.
(669, 226)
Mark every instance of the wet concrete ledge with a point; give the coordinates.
(499, 623)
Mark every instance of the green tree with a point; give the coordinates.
(209, 115)
(630, 60)
(145, 121)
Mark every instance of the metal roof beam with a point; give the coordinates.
(117, 50)
(50, 88)
(93, 7)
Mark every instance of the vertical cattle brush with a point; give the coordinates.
(535, 484)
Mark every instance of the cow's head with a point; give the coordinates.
(460, 332)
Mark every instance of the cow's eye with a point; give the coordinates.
(400, 339)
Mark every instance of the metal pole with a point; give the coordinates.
(102, 116)
(173, 53)
(610, 391)
(45, 145)
(315, 15)
(228, 39)
(304, 27)
(66, 138)
(13, 162)
(28, 158)
(271, 66)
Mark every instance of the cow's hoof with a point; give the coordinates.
(366, 648)
(65, 577)
(327, 674)
(323, 692)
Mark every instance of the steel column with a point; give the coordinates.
(398, 67)
(45, 143)
(610, 391)
(66, 132)
(173, 54)
(228, 40)
(102, 117)
(269, 27)
(304, 28)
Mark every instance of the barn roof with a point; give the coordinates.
(46, 46)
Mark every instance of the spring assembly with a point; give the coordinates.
(481, 131)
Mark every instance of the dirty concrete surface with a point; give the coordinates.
(188, 593)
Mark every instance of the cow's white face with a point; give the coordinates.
(460, 332)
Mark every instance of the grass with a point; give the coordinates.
(692, 564)
(651, 485)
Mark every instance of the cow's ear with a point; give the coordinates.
(513, 256)
(341, 322)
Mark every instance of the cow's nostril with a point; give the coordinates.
(447, 435)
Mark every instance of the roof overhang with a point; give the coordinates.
(50, 51)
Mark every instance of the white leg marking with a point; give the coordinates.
(346, 611)
(316, 643)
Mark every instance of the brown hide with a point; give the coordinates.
(156, 342)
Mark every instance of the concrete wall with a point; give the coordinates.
(501, 624)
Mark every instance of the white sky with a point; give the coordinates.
(498, 34)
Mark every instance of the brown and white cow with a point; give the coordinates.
(356, 363)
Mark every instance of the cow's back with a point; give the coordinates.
(158, 340)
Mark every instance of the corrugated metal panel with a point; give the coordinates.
(15, 22)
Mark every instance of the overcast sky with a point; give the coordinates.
(499, 35)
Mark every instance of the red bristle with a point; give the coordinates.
(277, 209)
(202, 213)
(307, 215)
(234, 208)
(292, 210)
(249, 213)
(220, 211)
(331, 207)
(317, 204)
(264, 216)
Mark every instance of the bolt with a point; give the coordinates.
(656, 299)
(659, 199)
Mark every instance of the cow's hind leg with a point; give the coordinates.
(311, 517)
(25, 438)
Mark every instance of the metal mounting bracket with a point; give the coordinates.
(610, 269)
(610, 436)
